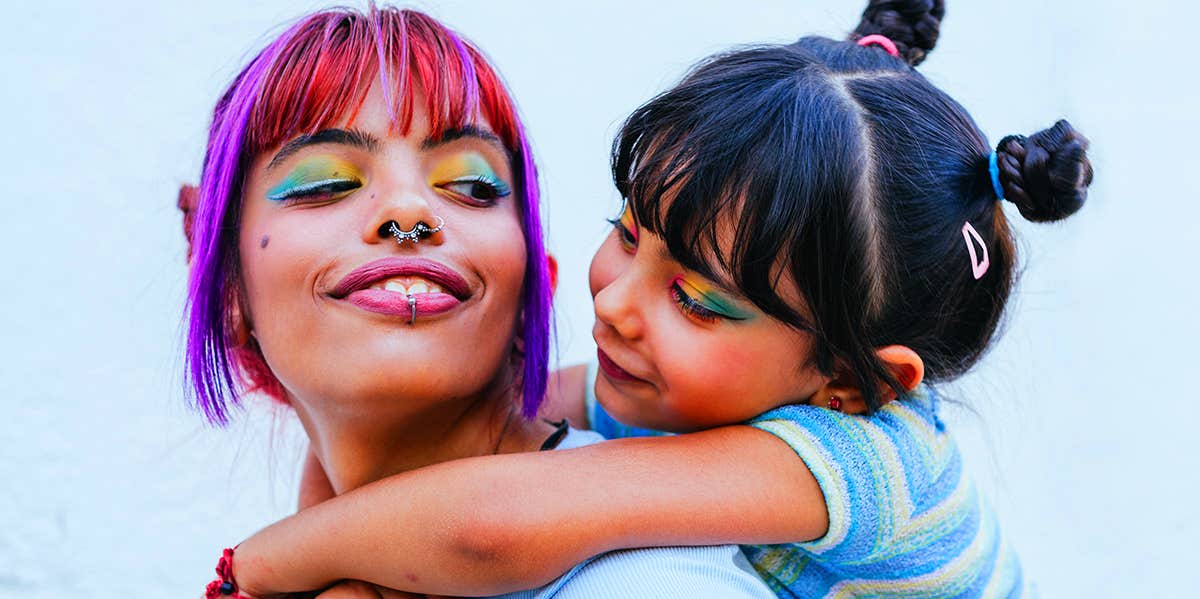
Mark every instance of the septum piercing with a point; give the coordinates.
(418, 231)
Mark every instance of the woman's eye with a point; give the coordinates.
(693, 308)
(317, 191)
(478, 190)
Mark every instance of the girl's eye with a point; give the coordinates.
(628, 239)
(691, 307)
(317, 191)
(480, 191)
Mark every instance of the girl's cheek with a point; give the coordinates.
(714, 383)
(605, 266)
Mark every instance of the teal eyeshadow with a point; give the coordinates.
(306, 178)
(716, 305)
(287, 188)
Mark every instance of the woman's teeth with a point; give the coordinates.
(408, 285)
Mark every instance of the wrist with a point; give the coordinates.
(248, 572)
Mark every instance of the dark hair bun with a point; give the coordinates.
(911, 24)
(1046, 175)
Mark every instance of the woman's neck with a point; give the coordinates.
(355, 452)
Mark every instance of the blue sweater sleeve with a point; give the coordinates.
(902, 514)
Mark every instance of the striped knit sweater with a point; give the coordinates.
(904, 518)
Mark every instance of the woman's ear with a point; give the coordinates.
(239, 325)
(552, 267)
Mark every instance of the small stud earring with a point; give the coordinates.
(835, 403)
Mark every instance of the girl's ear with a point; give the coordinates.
(906, 366)
(841, 393)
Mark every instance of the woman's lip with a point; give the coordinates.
(397, 304)
(364, 276)
(613, 371)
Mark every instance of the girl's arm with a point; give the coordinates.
(496, 524)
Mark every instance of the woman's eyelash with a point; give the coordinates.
(481, 188)
(327, 187)
(693, 307)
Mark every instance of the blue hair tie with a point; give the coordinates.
(994, 169)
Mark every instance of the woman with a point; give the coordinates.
(367, 249)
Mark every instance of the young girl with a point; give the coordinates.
(812, 233)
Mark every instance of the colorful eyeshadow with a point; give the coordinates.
(468, 167)
(707, 295)
(628, 221)
(317, 175)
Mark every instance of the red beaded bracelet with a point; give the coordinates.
(224, 585)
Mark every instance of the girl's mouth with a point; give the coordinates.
(613, 371)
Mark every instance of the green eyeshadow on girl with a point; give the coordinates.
(702, 299)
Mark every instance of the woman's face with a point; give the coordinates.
(330, 292)
(679, 352)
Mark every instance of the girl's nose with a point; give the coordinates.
(617, 306)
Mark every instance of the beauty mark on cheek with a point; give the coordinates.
(262, 243)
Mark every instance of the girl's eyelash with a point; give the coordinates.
(693, 307)
(324, 188)
(627, 238)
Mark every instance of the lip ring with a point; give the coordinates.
(386, 268)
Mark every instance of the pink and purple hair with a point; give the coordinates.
(312, 76)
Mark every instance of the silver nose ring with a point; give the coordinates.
(418, 231)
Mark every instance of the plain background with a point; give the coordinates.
(1083, 426)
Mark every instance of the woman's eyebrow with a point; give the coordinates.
(348, 137)
(466, 131)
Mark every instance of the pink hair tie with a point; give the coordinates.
(882, 42)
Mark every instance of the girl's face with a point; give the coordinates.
(679, 352)
(327, 286)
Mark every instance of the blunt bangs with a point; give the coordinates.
(727, 168)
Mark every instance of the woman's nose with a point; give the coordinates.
(616, 305)
(403, 217)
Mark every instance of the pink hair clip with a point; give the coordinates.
(881, 41)
(978, 267)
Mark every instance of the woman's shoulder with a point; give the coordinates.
(658, 572)
(579, 438)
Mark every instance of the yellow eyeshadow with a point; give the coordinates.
(710, 297)
(314, 172)
(467, 164)
(628, 222)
